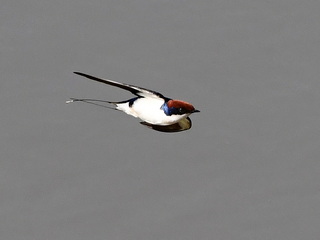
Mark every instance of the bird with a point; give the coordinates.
(156, 111)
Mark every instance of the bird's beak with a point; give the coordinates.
(196, 111)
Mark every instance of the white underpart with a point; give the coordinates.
(149, 110)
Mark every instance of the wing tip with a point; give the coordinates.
(80, 73)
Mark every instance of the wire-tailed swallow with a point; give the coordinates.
(155, 110)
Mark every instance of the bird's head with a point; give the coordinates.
(178, 107)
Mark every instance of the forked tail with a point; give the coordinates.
(93, 102)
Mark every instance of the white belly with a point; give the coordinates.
(149, 110)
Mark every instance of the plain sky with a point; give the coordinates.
(249, 167)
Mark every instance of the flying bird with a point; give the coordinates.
(156, 111)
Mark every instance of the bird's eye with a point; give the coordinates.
(181, 110)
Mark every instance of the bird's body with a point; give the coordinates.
(155, 110)
(150, 110)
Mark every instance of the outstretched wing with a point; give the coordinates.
(138, 91)
(182, 125)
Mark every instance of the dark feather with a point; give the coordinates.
(138, 91)
(182, 125)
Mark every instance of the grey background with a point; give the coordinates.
(249, 167)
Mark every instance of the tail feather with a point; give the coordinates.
(93, 102)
